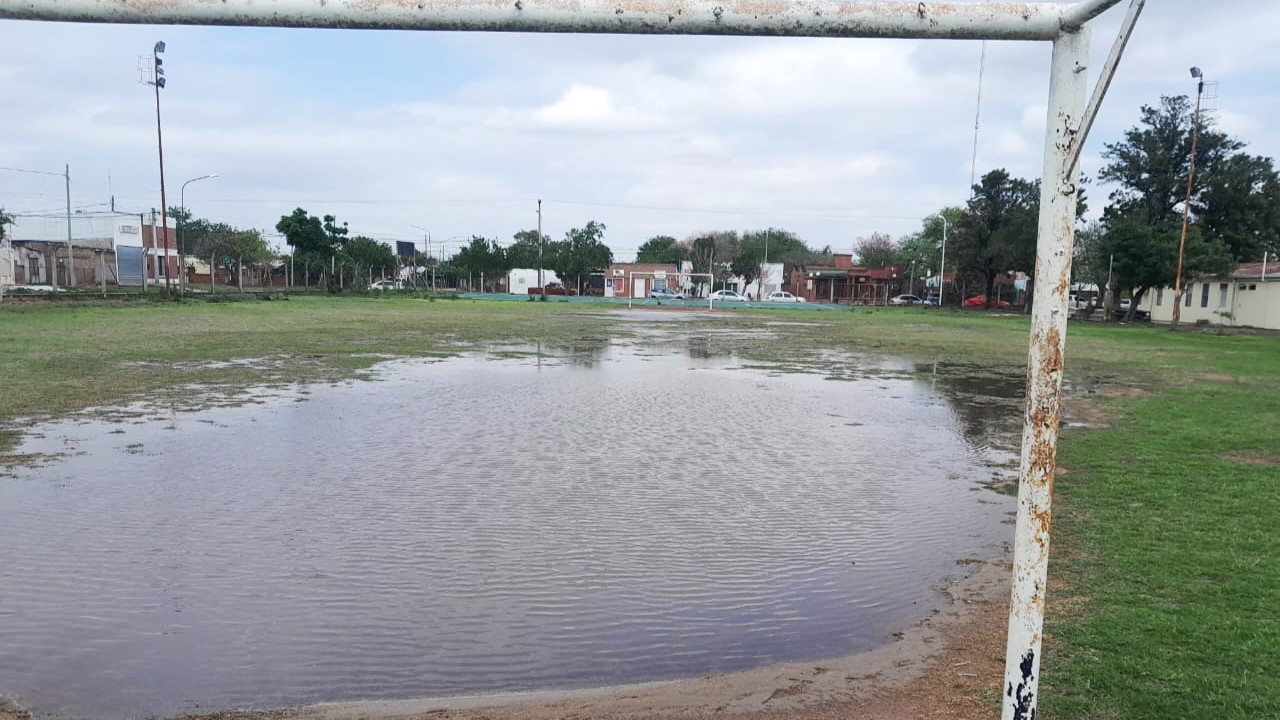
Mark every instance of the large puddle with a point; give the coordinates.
(502, 521)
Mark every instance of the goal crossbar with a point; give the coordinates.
(794, 18)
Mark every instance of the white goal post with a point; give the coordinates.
(1071, 113)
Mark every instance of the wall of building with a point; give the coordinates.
(1234, 303)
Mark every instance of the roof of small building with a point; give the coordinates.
(1254, 271)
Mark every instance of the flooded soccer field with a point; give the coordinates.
(520, 516)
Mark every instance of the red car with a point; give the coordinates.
(980, 301)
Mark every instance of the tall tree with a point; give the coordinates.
(711, 253)
(1240, 206)
(367, 253)
(481, 259)
(998, 233)
(225, 245)
(523, 253)
(1150, 166)
(5, 220)
(306, 234)
(662, 249)
(582, 252)
(877, 250)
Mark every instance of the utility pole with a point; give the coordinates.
(942, 274)
(71, 252)
(542, 287)
(1186, 208)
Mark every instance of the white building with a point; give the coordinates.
(1250, 297)
(521, 280)
(107, 246)
(771, 277)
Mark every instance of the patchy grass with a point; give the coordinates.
(1166, 549)
(59, 358)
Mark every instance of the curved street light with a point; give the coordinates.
(182, 202)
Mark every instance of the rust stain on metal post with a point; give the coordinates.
(1045, 365)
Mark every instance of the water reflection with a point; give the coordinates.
(532, 516)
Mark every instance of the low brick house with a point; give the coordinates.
(635, 280)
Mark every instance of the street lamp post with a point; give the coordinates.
(1197, 74)
(182, 202)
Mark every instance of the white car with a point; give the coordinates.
(783, 297)
(387, 285)
(906, 300)
(730, 295)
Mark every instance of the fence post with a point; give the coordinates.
(240, 272)
(213, 272)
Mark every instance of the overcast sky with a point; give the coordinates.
(461, 133)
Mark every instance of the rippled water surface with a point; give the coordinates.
(495, 522)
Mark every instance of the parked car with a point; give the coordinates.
(553, 288)
(981, 301)
(783, 297)
(662, 293)
(1122, 312)
(907, 300)
(730, 295)
(387, 285)
(932, 299)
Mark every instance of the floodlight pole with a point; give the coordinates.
(1068, 93)
(1186, 208)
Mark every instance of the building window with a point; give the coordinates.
(608, 283)
(1222, 295)
(1186, 300)
(1159, 297)
(1253, 287)
(1204, 295)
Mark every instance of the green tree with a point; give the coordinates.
(226, 246)
(1240, 206)
(5, 220)
(877, 250)
(712, 253)
(481, 259)
(998, 233)
(1146, 257)
(1150, 166)
(306, 235)
(523, 253)
(1091, 259)
(662, 249)
(365, 253)
(581, 253)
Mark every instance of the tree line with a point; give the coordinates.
(1234, 214)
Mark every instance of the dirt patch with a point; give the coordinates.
(1124, 393)
(8, 712)
(1216, 377)
(1253, 459)
(1084, 412)
(949, 665)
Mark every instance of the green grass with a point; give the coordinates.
(1166, 544)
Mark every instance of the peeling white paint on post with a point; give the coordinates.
(1059, 192)
(796, 18)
